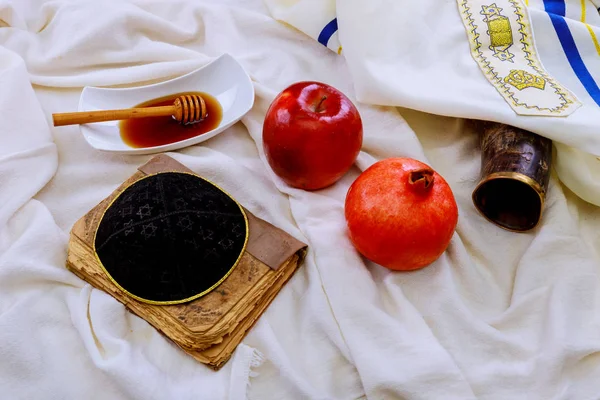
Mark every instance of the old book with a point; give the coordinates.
(211, 326)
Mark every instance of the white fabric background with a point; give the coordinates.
(499, 315)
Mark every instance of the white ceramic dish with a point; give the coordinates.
(224, 78)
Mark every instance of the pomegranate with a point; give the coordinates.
(401, 214)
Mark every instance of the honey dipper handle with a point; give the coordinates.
(85, 117)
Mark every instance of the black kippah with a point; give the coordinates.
(171, 237)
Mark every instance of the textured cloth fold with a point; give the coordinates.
(500, 315)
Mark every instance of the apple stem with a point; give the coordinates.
(421, 180)
(318, 108)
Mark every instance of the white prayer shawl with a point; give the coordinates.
(534, 64)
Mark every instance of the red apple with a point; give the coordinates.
(312, 134)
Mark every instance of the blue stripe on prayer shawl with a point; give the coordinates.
(557, 7)
(556, 10)
(328, 32)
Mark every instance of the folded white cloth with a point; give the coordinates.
(498, 316)
(315, 18)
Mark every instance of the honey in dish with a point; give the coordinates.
(157, 131)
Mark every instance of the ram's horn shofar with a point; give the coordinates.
(515, 170)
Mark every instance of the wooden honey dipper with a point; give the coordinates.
(187, 109)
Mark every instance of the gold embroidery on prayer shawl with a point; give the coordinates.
(501, 41)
